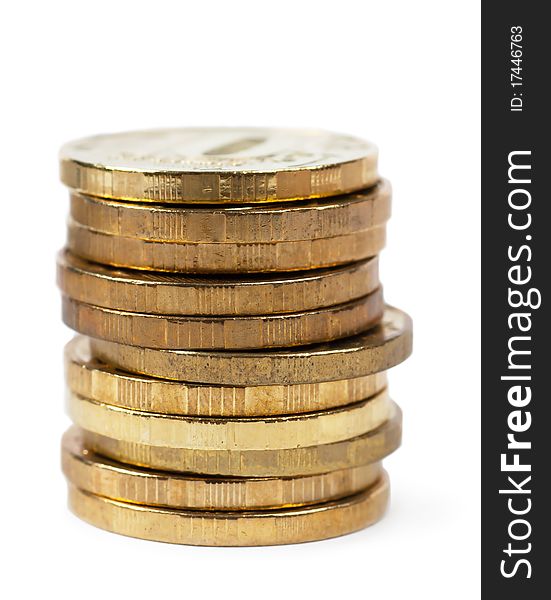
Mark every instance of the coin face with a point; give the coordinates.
(233, 528)
(218, 165)
(197, 149)
(98, 475)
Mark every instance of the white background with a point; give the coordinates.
(403, 74)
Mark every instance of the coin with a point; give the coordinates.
(289, 462)
(93, 379)
(233, 528)
(97, 475)
(221, 433)
(378, 349)
(220, 165)
(253, 224)
(224, 333)
(299, 255)
(163, 293)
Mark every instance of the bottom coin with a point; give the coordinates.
(232, 528)
(92, 473)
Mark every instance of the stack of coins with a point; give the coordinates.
(228, 383)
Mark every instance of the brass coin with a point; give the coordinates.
(224, 333)
(289, 462)
(93, 379)
(219, 165)
(236, 434)
(97, 475)
(233, 528)
(379, 349)
(253, 224)
(300, 255)
(173, 294)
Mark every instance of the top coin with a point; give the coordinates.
(218, 165)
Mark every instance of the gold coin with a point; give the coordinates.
(164, 293)
(253, 224)
(378, 349)
(288, 462)
(97, 475)
(224, 333)
(93, 379)
(233, 528)
(300, 255)
(220, 165)
(221, 433)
